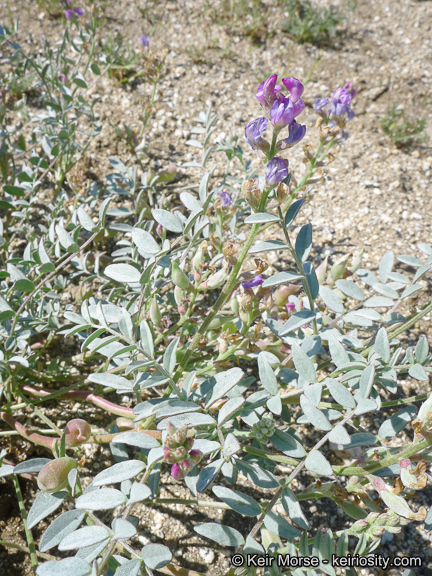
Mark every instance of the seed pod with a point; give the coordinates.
(339, 267)
(54, 475)
(321, 271)
(179, 278)
(155, 313)
(77, 432)
(282, 294)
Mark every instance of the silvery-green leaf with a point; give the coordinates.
(138, 439)
(125, 325)
(318, 464)
(146, 338)
(167, 220)
(129, 568)
(123, 529)
(410, 260)
(223, 535)
(230, 408)
(350, 289)
(278, 525)
(337, 352)
(189, 419)
(418, 372)
(190, 202)
(365, 405)
(422, 349)
(428, 521)
(252, 547)
(60, 528)
(386, 265)
(223, 383)
(382, 345)
(123, 273)
(6, 470)
(293, 509)
(297, 320)
(89, 553)
(43, 506)
(378, 302)
(390, 428)
(313, 393)
(144, 241)
(287, 444)
(173, 407)
(339, 435)
(303, 364)
(386, 290)
(119, 472)
(340, 394)
(396, 504)
(87, 536)
(85, 220)
(33, 465)
(331, 299)
(156, 556)
(409, 290)
(274, 404)
(112, 381)
(292, 211)
(421, 272)
(103, 499)
(65, 567)
(303, 243)
(139, 492)
(281, 278)
(238, 501)
(206, 446)
(261, 218)
(366, 381)
(257, 475)
(268, 246)
(169, 359)
(314, 415)
(311, 279)
(266, 374)
(231, 445)
(65, 238)
(208, 474)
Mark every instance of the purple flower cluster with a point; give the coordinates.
(178, 451)
(339, 104)
(281, 112)
(69, 14)
(257, 281)
(145, 41)
(225, 198)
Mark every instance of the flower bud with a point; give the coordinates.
(155, 313)
(198, 259)
(216, 280)
(54, 475)
(176, 472)
(77, 432)
(179, 278)
(179, 296)
(377, 530)
(321, 271)
(339, 267)
(356, 262)
(282, 294)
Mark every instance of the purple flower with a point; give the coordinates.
(257, 281)
(68, 14)
(345, 94)
(267, 91)
(225, 198)
(296, 134)
(62, 77)
(78, 11)
(290, 307)
(281, 112)
(145, 41)
(295, 88)
(299, 106)
(319, 105)
(276, 171)
(254, 131)
(176, 472)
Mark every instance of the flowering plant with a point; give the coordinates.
(172, 320)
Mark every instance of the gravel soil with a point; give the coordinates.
(375, 195)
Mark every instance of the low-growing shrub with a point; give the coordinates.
(230, 369)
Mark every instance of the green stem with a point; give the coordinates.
(229, 286)
(28, 532)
